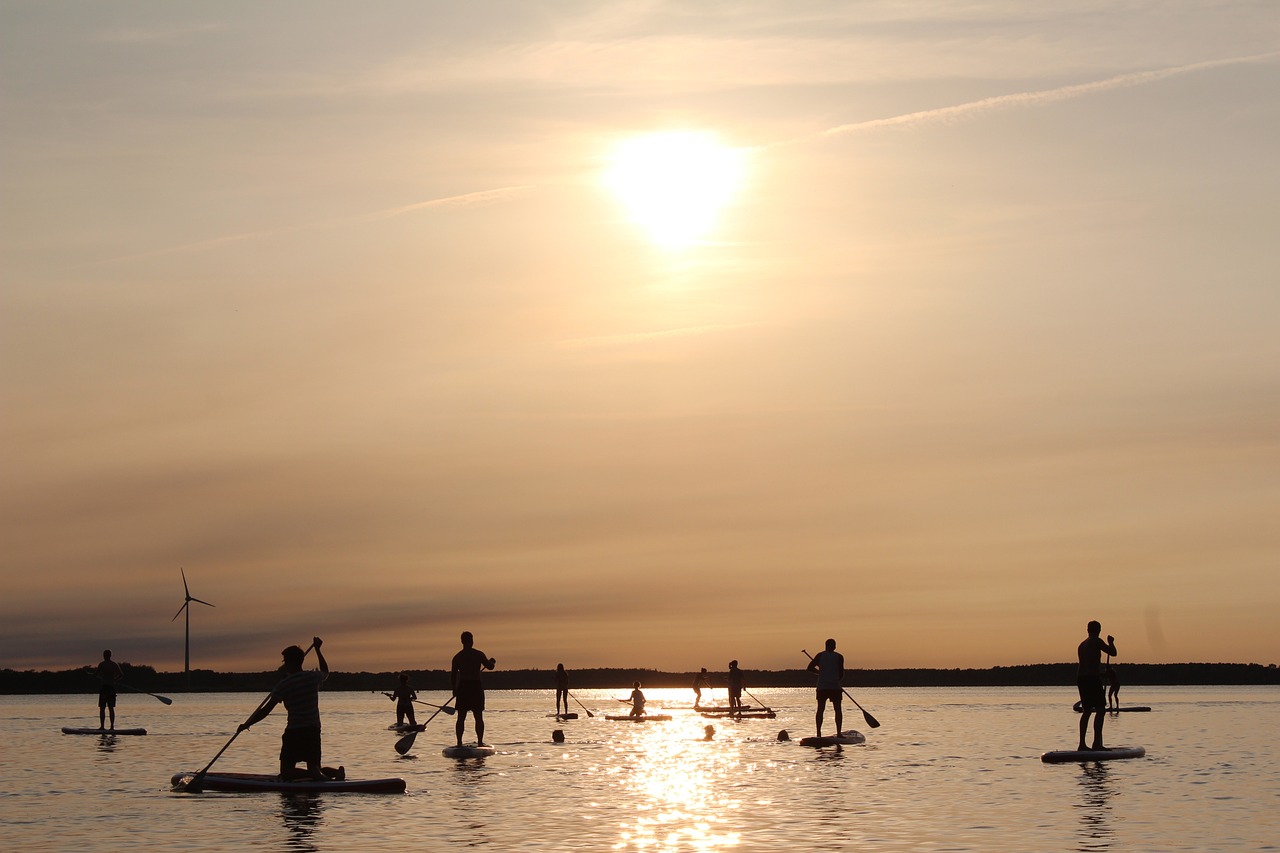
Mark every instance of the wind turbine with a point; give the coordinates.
(186, 605)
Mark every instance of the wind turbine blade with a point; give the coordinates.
(185, 589)
(179, 613)
(203, 602)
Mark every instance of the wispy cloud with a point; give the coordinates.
(465, 200)
(973, 109)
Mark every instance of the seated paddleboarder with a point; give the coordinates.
(403, 697)
(1093, 698)
(468, 690)
(108, 673)
(829, 665)
(300, 693)
(637, 700)
(562, 689)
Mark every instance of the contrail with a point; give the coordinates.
(464, 200)
(943, 115)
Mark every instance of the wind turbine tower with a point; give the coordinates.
(186, 605)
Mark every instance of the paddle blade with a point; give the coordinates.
(406, 743)
(165, 699)
(871, 721)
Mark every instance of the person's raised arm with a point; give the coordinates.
(1110, 647)
(324, 664)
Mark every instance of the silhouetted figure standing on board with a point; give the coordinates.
(1113, 689)
(108, 673)
(1093, 699)
(736, 682)
(464, 678)
(299, 690)
(403, 697)
(637, 700)
(829, 664)
(562, 689)
(700, 681)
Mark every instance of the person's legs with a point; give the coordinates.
(839, 714)
(480, 727)
(1084, 725)
(822, 704)
(460, 726)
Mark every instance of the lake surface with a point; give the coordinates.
(950, 769)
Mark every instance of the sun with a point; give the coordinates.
(674, 184)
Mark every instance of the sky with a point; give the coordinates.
(641, 334)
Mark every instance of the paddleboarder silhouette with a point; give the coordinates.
(829, 664)
(1093, 698)
(299, 690)
(468, 689)
(403, 696)
(736, 682)
(637, 700)
(701, 680)
(108, 673)
(562, 689)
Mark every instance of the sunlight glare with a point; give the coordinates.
(674, 184)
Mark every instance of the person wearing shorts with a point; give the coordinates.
(468, 689)
(108, 672)
(300, 692)
(1093, 696)
(829, 664)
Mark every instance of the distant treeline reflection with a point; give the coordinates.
(1030, 675)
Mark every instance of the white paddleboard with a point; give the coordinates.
(850, 736)
(1063, 756)
(469, 751)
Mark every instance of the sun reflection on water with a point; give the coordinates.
(679, 784)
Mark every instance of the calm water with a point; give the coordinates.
(951, 769)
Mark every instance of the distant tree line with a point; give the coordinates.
(1030, 675)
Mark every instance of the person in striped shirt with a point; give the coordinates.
(300, 693)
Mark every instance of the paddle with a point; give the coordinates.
(580, 705)
(449, 711)
(406, 743)
(165, 699)
(194, 783)
(757, 701)
(871, 721)
(444, 708)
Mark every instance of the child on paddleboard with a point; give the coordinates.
(637, 701)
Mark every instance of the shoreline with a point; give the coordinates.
(144, 678)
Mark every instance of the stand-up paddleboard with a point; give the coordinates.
(405, 727)
(73, 730)
(475, 750)
(643, 718)
(745, 715)
(245, 783)
(568, 716)
(850, 736)
(1063, 756)
(1077, 708)
(726, 709)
